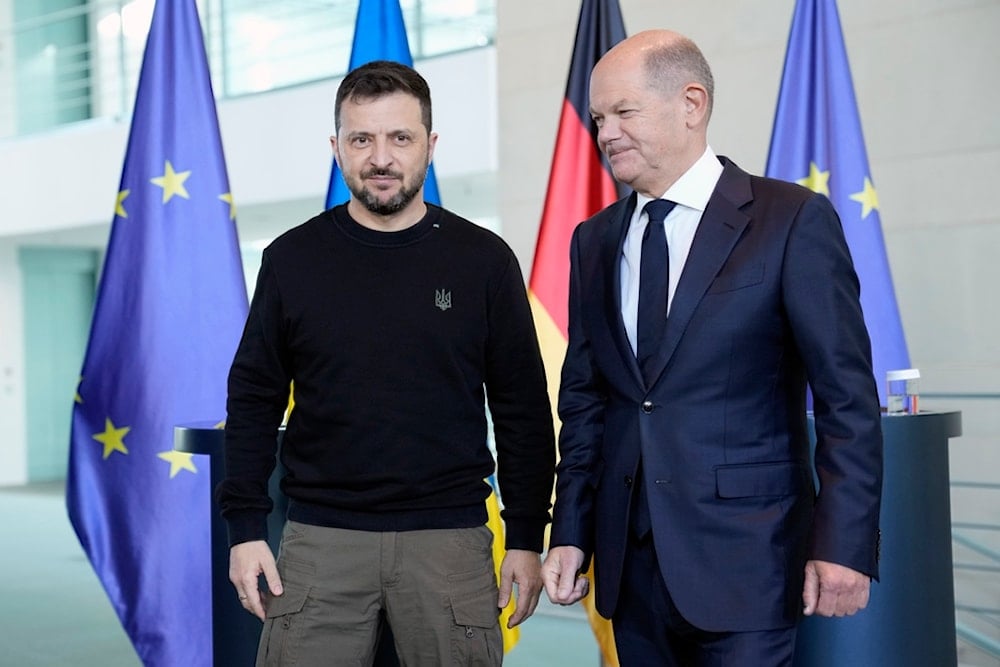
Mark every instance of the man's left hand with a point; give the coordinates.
(523, 568)
(834, 590)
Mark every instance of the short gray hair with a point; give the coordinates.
(680, 62)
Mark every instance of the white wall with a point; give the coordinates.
(13, 459)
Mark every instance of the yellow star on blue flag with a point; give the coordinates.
(868, 198)
(817, 180)
(178, 461)
(120, 204)
(112, 438)
(172, 182)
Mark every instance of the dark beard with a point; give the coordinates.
(397, 203)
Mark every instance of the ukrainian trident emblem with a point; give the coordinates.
(442, 299)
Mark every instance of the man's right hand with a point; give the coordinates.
(564, 583)
(247, 561)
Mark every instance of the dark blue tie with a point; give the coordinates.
(653, 276)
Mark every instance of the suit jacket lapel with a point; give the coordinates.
(611, 249)
(720, 228)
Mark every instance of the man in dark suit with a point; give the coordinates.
(685, 465)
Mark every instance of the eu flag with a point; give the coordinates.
(170, 308)
(379, 34)
(817, 142)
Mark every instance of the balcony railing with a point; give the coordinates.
(975, 496)
(977, 571)
(82, 62)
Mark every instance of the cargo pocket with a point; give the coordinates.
(281, 638)
(476, 639)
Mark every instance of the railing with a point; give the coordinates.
(82, 62)
(978, 616)
(975, 521)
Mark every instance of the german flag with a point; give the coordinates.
(580, 185)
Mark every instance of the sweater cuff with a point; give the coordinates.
(526, 534)
(246, 527)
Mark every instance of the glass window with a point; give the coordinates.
(261, 44)
(444, 26)
(75, 59)
(51, 71)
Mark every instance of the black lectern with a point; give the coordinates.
(234, 632)
(910, 619)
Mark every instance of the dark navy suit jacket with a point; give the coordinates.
(767, 300)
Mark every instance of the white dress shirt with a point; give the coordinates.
(691, 192)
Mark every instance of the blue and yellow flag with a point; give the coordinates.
(817, 142)
(510, 635)
(170, 308)
(379, 34)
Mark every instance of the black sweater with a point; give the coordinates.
(390, 338)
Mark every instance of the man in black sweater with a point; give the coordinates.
(397, 321)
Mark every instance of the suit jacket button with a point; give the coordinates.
(628, 482)
(647, 407)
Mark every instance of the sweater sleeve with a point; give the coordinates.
(259, 381)
(522, 417)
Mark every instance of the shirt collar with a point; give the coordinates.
(695, 186)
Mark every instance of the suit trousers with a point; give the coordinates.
(651, 632)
